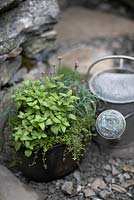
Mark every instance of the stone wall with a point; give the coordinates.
(26, 28)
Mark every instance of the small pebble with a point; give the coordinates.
(89, 193)
(67, 187)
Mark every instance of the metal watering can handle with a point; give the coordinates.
(121, 57)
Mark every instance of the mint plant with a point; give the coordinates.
(44, 109)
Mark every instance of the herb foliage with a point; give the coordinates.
(52, 111)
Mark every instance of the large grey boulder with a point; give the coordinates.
(29, 17)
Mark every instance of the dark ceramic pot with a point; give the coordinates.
(57, 165)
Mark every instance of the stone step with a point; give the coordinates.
(11, 188)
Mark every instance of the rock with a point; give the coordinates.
(19, 76)
(59, 183)
(118, 188)
(127, 176)
(98, 184)
(36, 72)
(3, 58)
(77, 176)
(5, 107)
(37, 43)
(89, 193)
(107, 167)
(128, 168)
(79, 188)
(121, 178)
(104, 194)
(85, 56)
(67, 187)
(28, 17)
(8, 69)
(63, 4)
(12, 189)
(114, 162)
(52, 190)
(114, 171)
(113, 180)
(7, 4)
(128, 183)
(15, 52)
(108, 178)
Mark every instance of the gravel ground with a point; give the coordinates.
(98, 177)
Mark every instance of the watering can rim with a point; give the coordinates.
(89, 79)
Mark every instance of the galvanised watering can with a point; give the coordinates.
(115, 115)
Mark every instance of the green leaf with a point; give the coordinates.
(24, 138)
(27, 144)
(17, 146)
(71, 116)
(65, 123)
(69, 93)
(63, 129)
(44, 135)
(32, 104)
(45, 104)
(38, 118)
(39, 137)
(56, 120)
(29, 99)
(59, 102)
(36, 107)
(26, 82)
(48, 122)
(54, 108)
(28, 153)
(21, 115)
(55, 129)
(42, 125)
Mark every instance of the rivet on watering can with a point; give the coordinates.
(111, 124)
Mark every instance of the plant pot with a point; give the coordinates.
(57, 166)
